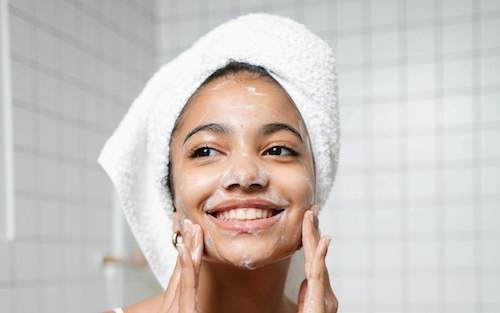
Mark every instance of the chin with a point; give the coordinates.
(249, 252)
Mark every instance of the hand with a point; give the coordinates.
(316, 294)
(180, 295)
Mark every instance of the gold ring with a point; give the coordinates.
(175, 237)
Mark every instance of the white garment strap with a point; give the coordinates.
(118, 310)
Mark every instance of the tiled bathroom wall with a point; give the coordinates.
(76, 67)
(415, 211)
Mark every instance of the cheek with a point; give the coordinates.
(192, 187)
(297, 184)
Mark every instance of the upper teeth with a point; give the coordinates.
(243, 214)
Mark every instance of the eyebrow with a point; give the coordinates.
(265, 130)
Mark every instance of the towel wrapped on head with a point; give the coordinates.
(136, 156)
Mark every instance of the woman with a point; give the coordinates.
(251, 156)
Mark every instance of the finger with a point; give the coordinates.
(315, 295)
(187, 233)
(331, 301)
(310, 239)
(307, 241)
(193, 237)
(170, 292)
(187, 296)
(173, 290)
(197, 249)
(318, 266)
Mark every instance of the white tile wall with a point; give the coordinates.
(415, 204)
(71, 60)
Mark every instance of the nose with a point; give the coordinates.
(246, 173)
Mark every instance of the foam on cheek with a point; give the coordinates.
(310, 187)
(282, 225)
(209, 242)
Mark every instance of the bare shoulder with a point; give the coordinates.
(147, 305)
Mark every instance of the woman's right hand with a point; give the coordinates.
(180, 295)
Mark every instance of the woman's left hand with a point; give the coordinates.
(316, 294)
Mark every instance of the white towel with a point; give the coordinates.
(136, 155)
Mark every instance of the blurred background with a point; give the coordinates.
(415, 210)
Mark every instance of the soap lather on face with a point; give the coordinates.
(241, 138)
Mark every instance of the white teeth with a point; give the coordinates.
(244, 214)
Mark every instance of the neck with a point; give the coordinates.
(225, 288)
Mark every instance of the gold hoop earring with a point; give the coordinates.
(176, 238)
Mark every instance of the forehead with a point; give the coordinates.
(241, 99)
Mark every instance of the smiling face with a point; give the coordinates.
(242, 169)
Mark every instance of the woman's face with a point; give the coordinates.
(242, 169)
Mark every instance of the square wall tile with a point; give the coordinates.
(387, 256)
(423, 261)
(459, 255)
(490, 254)
(489, 143)
(421, 185)
(423, 289)
(385, 81)
(459, 146)
(457, 7)
(458, 74)
(385, 46)
(490, 108)
(460, 218)
(350, 49)
(26, 261)
(459, 183)
(421, 77)
(385, 12)
(459, 110)
(351, 14)
(490, 180)
(420, 42)
(489, 33)
(459, 289)
(6, 260)
(421, 150)
(490, 67)
(423, 220)
(421, 10)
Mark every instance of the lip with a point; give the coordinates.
(245, 226)
(247, 203)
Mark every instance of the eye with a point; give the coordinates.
(279, 150)
(202, 152)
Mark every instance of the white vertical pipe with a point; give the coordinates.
(6, 129)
